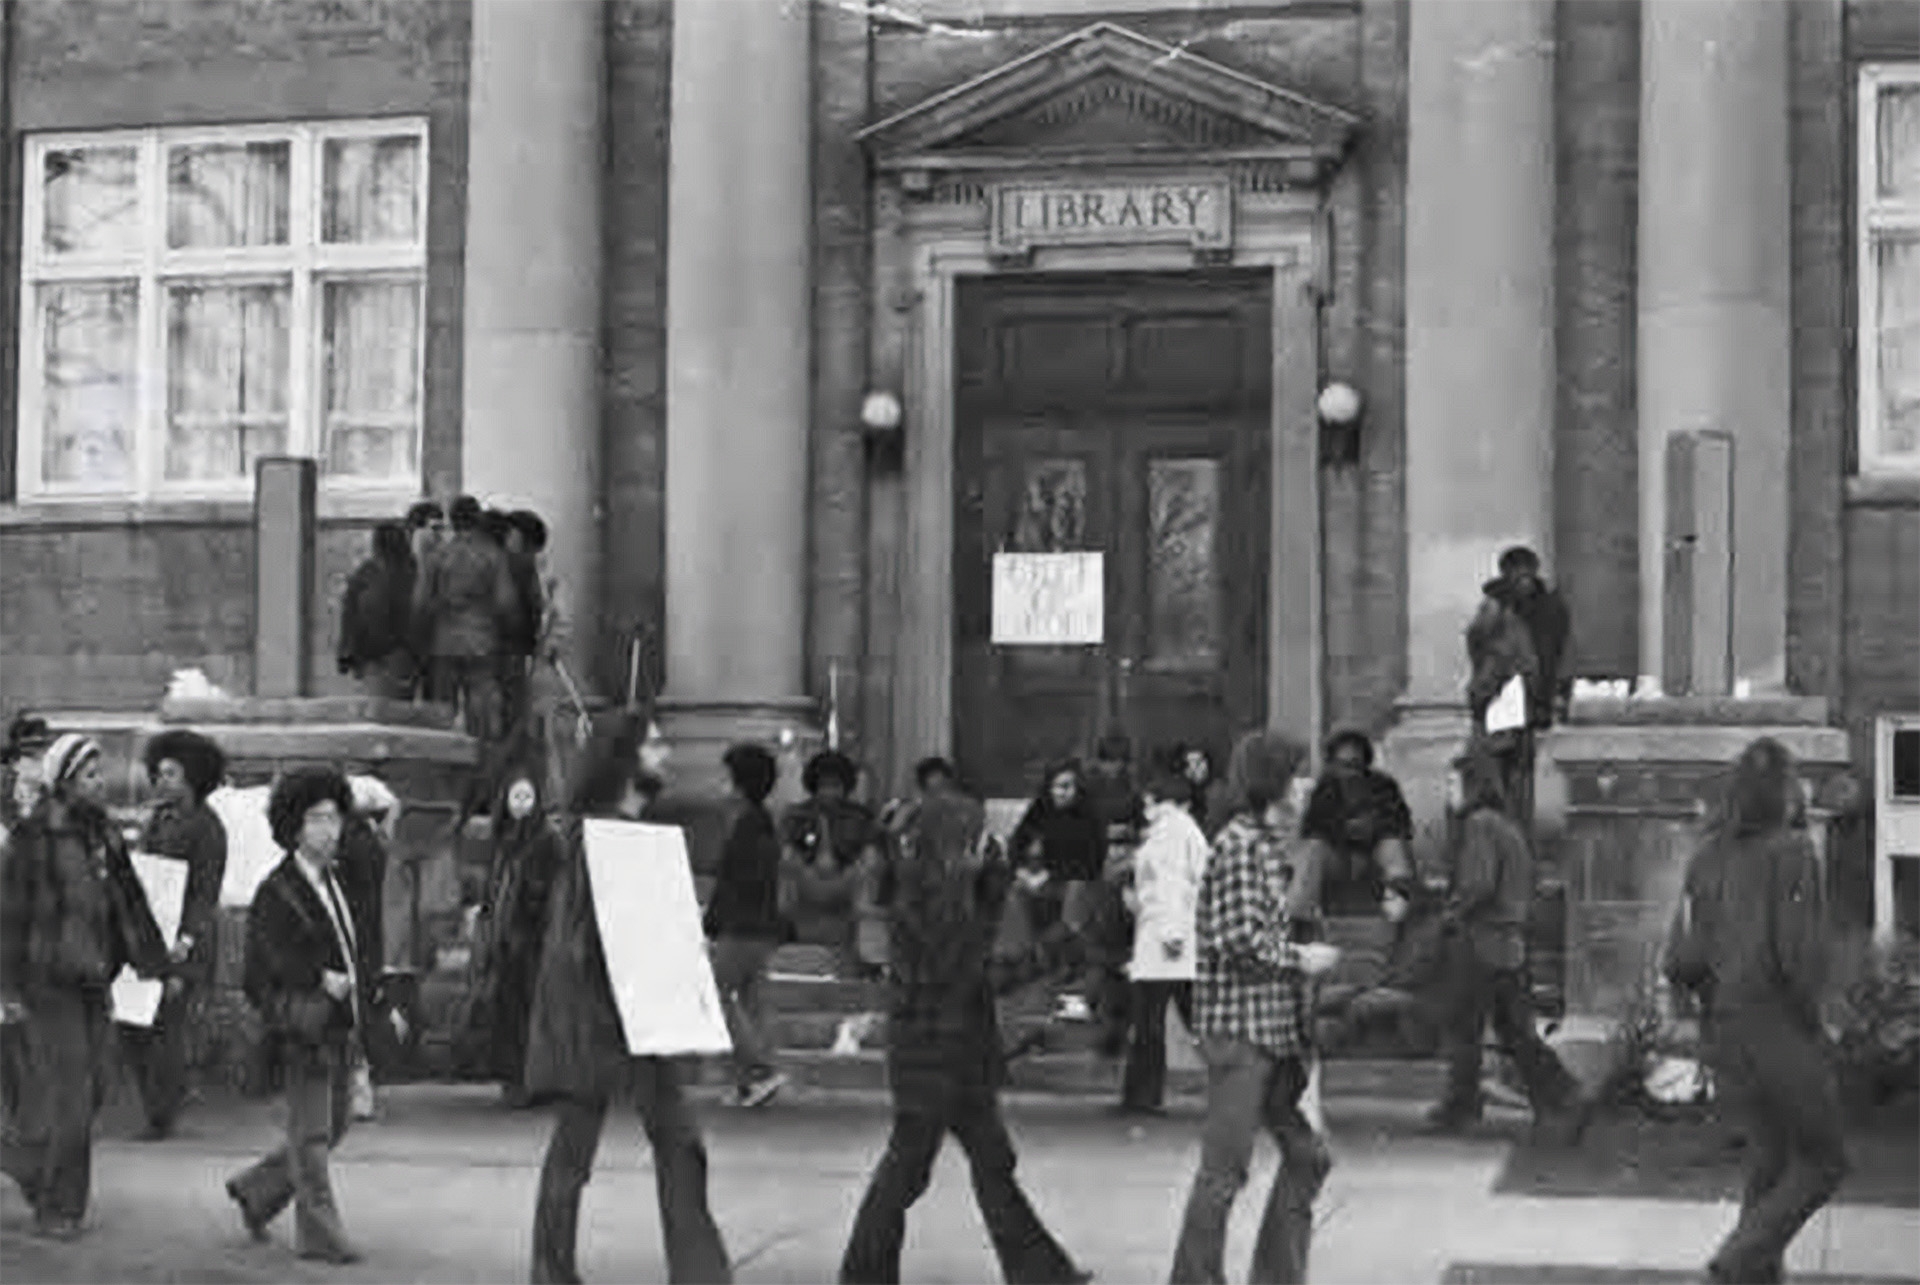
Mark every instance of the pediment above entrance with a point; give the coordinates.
(1104, 96)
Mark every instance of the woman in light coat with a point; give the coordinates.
(1167, 869)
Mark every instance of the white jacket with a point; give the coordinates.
(1167, 868)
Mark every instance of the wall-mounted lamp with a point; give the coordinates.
(880, 413)
(1339, 408)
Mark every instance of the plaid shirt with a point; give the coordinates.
(1248, 984)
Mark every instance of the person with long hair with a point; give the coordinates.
(1489, 901)
(577, 1054)
(1749, 939)
(72, 914)
(302, 976)
(527, 856)
(184, 768)
(1255, 1027)
(944, 1060)
(1166, 887)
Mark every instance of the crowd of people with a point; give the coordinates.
(1123, 889)
(452, 606)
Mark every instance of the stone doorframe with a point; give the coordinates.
(923, 242)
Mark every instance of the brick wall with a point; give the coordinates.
(99, 604)
(634, 286)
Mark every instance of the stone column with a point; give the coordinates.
(1480, 341)
(1715, 330)
(531, 416)
(739, 219)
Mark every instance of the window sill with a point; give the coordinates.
(1884, 490)
(57, 514)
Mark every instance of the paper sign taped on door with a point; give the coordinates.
(1049, 599)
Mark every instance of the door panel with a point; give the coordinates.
(1125, 415)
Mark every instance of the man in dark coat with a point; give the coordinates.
(465, 601)
(184, 767)
(743, 921)
(1489, 898)
(577, 1056)
(944, 1053)
(525, 538)
(302, 976)
(1750, 941)
(72, 914)
(376, 617)
(1357, 826)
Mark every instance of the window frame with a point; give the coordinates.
(1876, 219)
(305, 263)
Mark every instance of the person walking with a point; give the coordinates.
(1749, 940)
(72, 914)
(943, 1052)
(376, 617)
(1255, 1031)
(302, 977)
(577, 1055)
(184, 767)
(1167, 870)
(1489, 901)
(464, 601)
(743, 920)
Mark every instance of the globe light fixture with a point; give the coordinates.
(1339, 411)
(880, 412)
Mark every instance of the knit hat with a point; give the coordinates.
(66, 756)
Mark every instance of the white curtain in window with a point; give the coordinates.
(221, 195)
(372, 338)
(372, 189)
(88, 387)
(92, 201)
(1898, 261)
(1899, 142)
(226, 378)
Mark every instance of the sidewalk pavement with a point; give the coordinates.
(441, 1189)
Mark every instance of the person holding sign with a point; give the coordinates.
(578, 1058)
(302, 976)
(72, 914)
(184, 767)
(1505, 668)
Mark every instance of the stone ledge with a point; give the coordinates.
(1700, 711)
(307, 711)
(1666, 743)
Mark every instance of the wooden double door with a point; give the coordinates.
(1128, 416)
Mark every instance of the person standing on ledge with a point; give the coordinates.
(1750, 942)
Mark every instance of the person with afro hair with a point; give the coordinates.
(1358, 828)
(183, 767)
(301, 975)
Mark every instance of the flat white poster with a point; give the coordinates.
(649, 918)
(251, 852)
(1509, 708)
(136, 1001)
(1049, 599)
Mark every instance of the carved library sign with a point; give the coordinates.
(1194, 211)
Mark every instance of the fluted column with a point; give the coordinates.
(739, 219)
(531, 417)
(1715, 294)
(1480, 320)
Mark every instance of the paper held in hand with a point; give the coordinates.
(136, 1001)
(641, 883)
(1509, 709)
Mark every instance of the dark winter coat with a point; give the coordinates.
(1498, 647)
(576, 1045)
(1115, 801)
(72, 912)
(746, 892)
(943, 1038)
(361, 871)
(1072, 841)
(827, 877)
(465, 597)
(527, 858)
(191, 832)
(530, 603)
(1490, 893)
(1750, 933)
(1355, 811)
(291, 942)
(376, 613)
(1548, 623)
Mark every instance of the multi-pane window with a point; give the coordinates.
(195, 299)
(1889, 273)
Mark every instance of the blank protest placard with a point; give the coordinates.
(643, 901)
(136, 1001)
